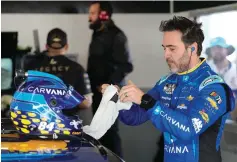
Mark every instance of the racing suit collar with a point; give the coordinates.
(194, 68)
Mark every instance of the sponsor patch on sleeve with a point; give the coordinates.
(204, 116)
(210, 80)
(197, 124)
(216, 96)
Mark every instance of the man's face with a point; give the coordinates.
(94, 11)
(58, 51)
(218, 53)
(176, 54)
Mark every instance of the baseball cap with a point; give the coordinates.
(56, 38)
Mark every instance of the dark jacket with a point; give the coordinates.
(69, 71)
(109, 59)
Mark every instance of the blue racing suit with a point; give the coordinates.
(191, 109)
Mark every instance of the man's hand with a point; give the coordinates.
(104, 86)
(131, 93)
(87, 102)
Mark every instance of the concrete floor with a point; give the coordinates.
(139, 143)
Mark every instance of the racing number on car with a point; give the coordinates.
(43, 125)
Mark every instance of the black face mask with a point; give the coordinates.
(96, 25)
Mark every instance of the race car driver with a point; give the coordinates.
(190, 105)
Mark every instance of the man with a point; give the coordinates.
(190, 105)
(108, 62)
(55, 62)
(219, 50)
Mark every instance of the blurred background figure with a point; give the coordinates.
(6, 73)
(55, 62)
(218, 52)
(108, 62)
(6, 80)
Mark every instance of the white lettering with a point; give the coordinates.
(42, 90)
(176, 149)
(46, 90)
(161, 113)
(166, 98)
(37, 90)
(187, 129)
(60, 68)
(172, 150)
(182, 127)
(67, 68)
(166, 148)
(177, 125)
(59, 92)
(30, 89)
(54, 92)
(185, 149)
(174, 122)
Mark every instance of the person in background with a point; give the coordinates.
(55, 62)
(108, 61)
(219, 50)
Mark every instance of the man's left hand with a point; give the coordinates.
(131, 93)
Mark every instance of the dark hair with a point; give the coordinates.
(105, 6)
(191, 30)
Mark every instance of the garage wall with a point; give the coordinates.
(142, 31)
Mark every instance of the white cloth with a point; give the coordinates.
(106, 114)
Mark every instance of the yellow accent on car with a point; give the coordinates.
(58, 121)
(13, 115)
(44, 119)
(24, 130)
(18, 112)
(15, 122)
(44, 132)
(61, 125)
(66, 132)
(36, 120)
(56, 131)
(32, 115)
(23, 116)
(25, 122)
